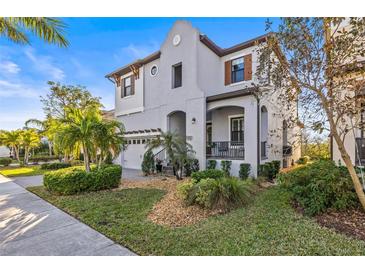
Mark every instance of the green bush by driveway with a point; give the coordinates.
(74, 180)
(266, 226)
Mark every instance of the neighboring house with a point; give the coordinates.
(354, 140)
(4, 151)
(207, 95)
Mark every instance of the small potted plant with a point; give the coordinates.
(158, 165)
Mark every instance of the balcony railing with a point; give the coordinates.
(287, 150)
(226, 149)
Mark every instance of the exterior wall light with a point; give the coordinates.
(193, 120)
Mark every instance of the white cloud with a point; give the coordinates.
(136, 51)
(9, 67)
(9, 89)
(44, 64)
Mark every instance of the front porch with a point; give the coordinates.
(225, 133)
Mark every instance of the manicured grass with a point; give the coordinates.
(21, 171)
(268, 226)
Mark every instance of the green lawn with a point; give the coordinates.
(269, 226)
(21, 171)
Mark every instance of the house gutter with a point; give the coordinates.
(258, 135)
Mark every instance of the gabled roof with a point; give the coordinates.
(222, 52)
(137, 63)
(205, 40)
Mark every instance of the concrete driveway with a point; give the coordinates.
(32, 226)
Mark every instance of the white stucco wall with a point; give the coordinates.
(203, 76)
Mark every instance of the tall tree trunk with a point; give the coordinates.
(345, 156)
(50, 148)
(86, 158)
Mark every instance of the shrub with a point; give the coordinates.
(43, 158)
(269, 170)
(320, 186)
(226, 167)
(5, 161)
(76, 163)
(212, 164)
(223, 193)
(54, 166)
(208, 173)
(244, 171)
(75, 180)
(191, 165)
(303, 160)
(148, 163)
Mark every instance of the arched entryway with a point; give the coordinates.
(176, 122)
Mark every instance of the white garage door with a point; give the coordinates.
(132, 157)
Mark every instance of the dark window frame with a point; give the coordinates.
(125, 87)
(235, 73)
(175, 83)
(237, 135)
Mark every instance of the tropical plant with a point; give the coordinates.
(51, 30)
(78, 131)
(108, 139)
(29, 139)
(148, 163)
(223, 193)
(177, 150)
(12, 140)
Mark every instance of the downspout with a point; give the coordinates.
(258, 135)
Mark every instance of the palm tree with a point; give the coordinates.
(78, 130)
(176, 148)
(108, 139)
(12, 140)
(51, 30)
(45, 128)
(29, 139)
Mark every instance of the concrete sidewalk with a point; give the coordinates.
(32, 226)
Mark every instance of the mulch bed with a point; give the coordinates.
(349, 222)
(171, 210)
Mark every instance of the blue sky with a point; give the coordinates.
(97, 46)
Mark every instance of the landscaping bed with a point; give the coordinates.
(350, 222)
(171, 210)
(267, 226)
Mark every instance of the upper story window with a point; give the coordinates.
(127, 88)
(177, 75)
(237, 70)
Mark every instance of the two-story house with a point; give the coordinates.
(206, 94)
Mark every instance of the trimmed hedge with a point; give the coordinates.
(54, 166)
(244, 171)
(5, 161)
(208, 173)
(270, 170)
(41, 158)
(75, 180)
